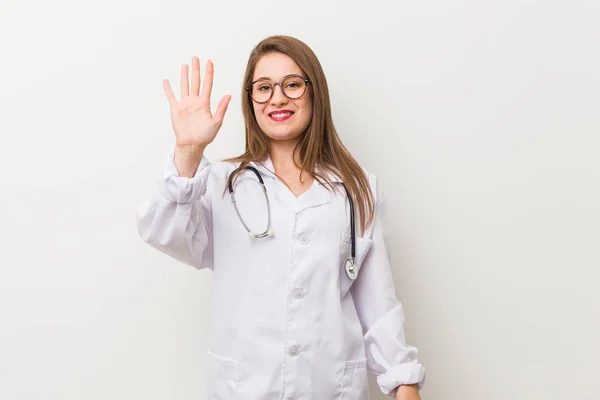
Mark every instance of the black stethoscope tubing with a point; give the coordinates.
(265, 234)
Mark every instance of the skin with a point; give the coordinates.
(408, 392)
(194, 125)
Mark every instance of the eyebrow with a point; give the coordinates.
(264, 78)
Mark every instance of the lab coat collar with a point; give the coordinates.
(315, 196)
(266, 168)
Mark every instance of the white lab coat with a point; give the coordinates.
(287, 321)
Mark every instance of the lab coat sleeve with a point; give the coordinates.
(389, 357)
(176, 218)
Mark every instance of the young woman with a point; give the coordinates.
(304, 303)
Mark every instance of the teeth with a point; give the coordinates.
(279, 115)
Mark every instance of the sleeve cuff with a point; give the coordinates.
(180, 189)
(403, 374)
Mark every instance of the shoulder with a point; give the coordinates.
(219, 174)
(222, 169)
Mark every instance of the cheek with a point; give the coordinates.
(257, 109)
(307, 110)
(259, 114)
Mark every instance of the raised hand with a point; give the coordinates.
(193, 123)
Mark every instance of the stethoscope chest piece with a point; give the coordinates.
(351, 269)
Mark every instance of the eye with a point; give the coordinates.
(264, 88)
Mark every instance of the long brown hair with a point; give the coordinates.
(320, 144)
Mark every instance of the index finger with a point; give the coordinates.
(208, 80)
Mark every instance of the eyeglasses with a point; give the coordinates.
(292, 86)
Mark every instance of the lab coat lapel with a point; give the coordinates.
(315, 196)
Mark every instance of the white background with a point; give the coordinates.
(480, 118)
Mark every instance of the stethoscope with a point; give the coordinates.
(349, 265)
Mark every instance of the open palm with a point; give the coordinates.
(193, 123)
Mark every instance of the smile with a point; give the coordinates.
(280, 115)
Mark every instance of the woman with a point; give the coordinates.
(297, 314)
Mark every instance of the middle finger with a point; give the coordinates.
(185, 84)
(195, 76)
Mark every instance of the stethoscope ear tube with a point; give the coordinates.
(267, 231)
(260, 179)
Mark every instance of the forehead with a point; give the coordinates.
(275, 66)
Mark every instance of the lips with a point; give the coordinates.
(280, 115)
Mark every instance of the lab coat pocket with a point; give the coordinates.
(223, 377)
(362, 248)
(355, 383)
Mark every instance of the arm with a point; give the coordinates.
(388, 355)
(176, 219)
(408, 392)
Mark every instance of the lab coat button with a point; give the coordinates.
(298, 293)
(293, 351)
(304, 239)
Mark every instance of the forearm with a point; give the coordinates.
(408, 392)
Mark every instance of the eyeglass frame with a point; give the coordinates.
(306, 82)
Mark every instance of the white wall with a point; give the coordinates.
(481, 119)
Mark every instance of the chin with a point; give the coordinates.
(281, 133)
(282, 136)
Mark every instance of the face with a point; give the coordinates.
(282, 118)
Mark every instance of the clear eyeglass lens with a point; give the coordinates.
(293, 87)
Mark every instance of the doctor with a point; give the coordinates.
(293, 230)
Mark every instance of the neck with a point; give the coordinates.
(281, 156)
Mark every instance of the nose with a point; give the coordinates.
(278, 96)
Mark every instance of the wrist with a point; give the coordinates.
(187, 160)
(189, 152)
